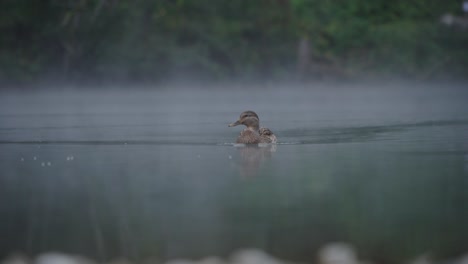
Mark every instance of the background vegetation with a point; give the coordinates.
(148, 41)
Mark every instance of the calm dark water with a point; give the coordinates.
(147, 173)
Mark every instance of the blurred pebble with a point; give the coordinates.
(253, 256)
(180, 261)
(423, 259)
(207, 260)
(83, 260)
(35, 158)
(16, 259)
(462, 260)
(42, 164)
(120, 261)
(151, 260)
(22, 159)
(337, 253)
(211, 260)
(58, 258)
(230, 157)
(49, 163)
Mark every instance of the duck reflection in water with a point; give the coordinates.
(260, 143)
(252, 157)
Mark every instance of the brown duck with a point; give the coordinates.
(253, 133)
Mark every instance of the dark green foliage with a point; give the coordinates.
(146, 40)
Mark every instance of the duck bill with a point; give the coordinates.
(235, 123)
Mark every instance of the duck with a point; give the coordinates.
(253, 133)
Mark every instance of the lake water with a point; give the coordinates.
(141, 173)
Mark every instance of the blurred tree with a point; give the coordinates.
(145, 40)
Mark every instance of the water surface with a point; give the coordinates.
(141, 173)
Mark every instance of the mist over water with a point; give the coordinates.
(141, 173)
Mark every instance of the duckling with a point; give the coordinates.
(267, 134)
(253, 134)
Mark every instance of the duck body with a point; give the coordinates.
(253, 133)
(248, 136)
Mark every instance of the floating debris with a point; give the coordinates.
(34, 158)
(43, 164)
(49, 163)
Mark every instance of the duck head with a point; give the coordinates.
(249, 119)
